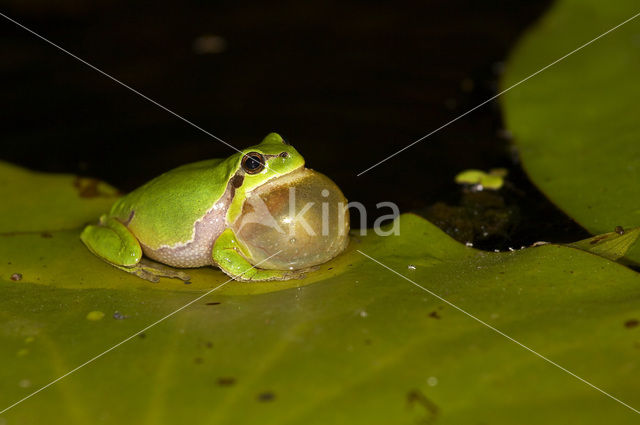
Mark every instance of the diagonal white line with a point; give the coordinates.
(91, 360)
(500, 94)
(119, 82)
(499, 332)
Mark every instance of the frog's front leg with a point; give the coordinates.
(231, 256)
(115, 244)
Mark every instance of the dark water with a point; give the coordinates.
(347, 83)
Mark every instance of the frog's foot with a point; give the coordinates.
(254, 274)
(152, 271)
(230, 256)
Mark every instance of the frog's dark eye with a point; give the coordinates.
(253, 163)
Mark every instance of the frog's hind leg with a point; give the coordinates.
(115, 244)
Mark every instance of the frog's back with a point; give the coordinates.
(163, 211)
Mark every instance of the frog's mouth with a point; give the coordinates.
(289, 179)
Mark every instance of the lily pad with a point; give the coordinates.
(576, 124)
(352, 343)
(33, 201)
(613, 246)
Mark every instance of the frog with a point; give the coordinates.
(213, 213)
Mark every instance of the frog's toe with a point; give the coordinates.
(157, 270)
(294, 274)
(261, 275)
(143, 274)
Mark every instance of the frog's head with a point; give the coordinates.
(259, 164)
(285, 216)
(272, 158)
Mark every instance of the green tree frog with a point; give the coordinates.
(258, 215)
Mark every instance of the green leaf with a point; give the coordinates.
(493, 180)
(35, 201)
(613, 246)
(352, 343)
(576, 123)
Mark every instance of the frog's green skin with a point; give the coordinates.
(152, 220)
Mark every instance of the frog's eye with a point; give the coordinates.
(253, 163)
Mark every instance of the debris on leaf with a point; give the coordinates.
(95, 315)
(119, 316)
